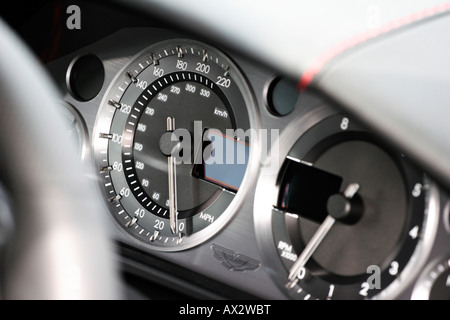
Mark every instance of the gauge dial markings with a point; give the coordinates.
(383, 241)
(136, 109)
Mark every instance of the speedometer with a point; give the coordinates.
(173, 147)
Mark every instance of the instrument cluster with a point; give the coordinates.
(207, 159)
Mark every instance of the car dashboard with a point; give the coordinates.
(219, 178)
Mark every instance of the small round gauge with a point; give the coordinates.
(434, 283)
(346, 214)
(78, 131)
(173, 145)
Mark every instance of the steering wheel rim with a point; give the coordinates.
(60, 248)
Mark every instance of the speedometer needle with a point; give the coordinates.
(315, 241)
(172, 173)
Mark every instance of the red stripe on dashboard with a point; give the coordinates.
(334, 51)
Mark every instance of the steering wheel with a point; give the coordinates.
(59, 248)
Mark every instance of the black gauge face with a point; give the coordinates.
(190, 97)
(188, 102)
(441, 287)
(348, 214)
(434, 282)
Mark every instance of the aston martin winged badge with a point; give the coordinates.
(234, 261)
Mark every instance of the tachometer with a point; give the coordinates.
(345, 217)
(172, 143)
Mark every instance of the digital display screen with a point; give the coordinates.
(224, 160)
(305, 190)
